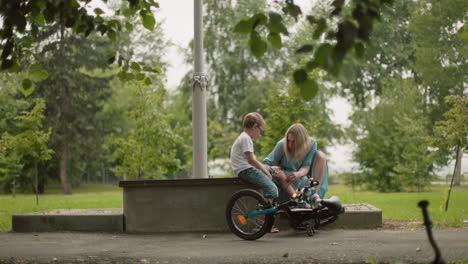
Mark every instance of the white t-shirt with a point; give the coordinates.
(239, 160)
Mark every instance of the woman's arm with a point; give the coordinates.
(303, 171)
(306, 163)
(274, 158)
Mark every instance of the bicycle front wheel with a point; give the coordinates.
(237, 209)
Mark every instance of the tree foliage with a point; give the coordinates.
(393, 140)
(347, 27)
(440, 55)
(453, 131)
(24, 22)
(418, 41)
(452, 134)
(389, 54)
(285, 107)
(74, 96)
(20, 153)
(149, 150)
(234, 74)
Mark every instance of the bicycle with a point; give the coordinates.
(250, 216)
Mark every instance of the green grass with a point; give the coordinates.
(85, 197)
(401, 206)
(404, 205)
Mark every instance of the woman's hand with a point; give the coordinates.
(276, 168)
(293, 177)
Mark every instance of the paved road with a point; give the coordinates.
(328, 246)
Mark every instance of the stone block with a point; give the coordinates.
(84, 220)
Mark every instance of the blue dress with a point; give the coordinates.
(277, 157)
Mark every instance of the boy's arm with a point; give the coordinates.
(254, 162)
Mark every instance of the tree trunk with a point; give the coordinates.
(36, 182)
(453, 177)
(41, 184)
(63, 170)
(458, 163)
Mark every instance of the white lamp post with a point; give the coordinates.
(199, 87)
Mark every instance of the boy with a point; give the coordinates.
(243, 160)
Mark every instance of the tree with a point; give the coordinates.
(286, 107)
(452, 134)
(441, 55)
(235, 75)
(354, 23)
(420, 40)
(393, 140)
(389, 54)
(24, 21)
(21, 153)
(120, 122)
(74, 96)
(147, 152)
(12, 102)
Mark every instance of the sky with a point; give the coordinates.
(177, 17)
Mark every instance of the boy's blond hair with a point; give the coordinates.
(252, 119)
(301, 140)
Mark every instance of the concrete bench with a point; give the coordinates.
(177, 205)
(199, 205)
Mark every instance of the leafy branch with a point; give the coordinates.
(352, 32)
(23, 21)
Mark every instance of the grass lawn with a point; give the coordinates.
(402, 206)
(96, 196)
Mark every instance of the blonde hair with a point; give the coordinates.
(301, 140)
(252, 119)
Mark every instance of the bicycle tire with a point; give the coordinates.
(245, 201)
(325, 217)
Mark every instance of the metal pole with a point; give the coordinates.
(199, 86)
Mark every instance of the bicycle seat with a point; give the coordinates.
(333, 203)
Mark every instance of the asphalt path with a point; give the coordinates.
(327, 246)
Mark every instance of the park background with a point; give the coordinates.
(383, 121)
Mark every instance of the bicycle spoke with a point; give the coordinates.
(243, 206)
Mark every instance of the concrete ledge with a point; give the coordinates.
(199, 205)
(178, 205)
(171, 206)
(182, 182)
(84, 220)
(359, 216)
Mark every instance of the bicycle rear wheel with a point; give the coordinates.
(248, 228)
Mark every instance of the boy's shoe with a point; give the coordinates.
(260, 221)
(274, 229)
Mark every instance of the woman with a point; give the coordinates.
(294, 156)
